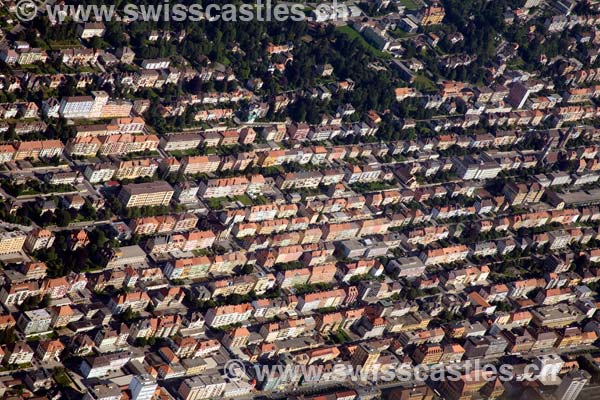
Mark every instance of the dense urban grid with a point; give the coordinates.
(397, 185)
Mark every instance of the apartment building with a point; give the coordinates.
(120, 257)
(38, 239)
(49, 350)
(361, 174)
(75, 56)
(314, 301)
(7, 152)
(38, 149)
(202, 387)
(519, 193)
(157, 193)
(133, 169)
(214, 114)
(224, 264)
(118, 109)
(432, 14)
(135, 301)
(100, 366)
(77, 107)
(99, 172)
(229, 314)
(469, 168)
(200, 164)
(187, 268)
(89, 30)
(34, 321)
(156, 63)
(143, 387)
(181, 142)
(18, 353)
(86, 146)
(31, 56)
(163, 224)
(126, 143)
(16, 293)
(223, 187)
(293, 277)
(428, 353)
(444, 255)
(274, 133)
(133, 125)
(340, 231)
(346, 271)
(299, 180)
(55, 288)
(237, 285)
(12, 241)
(187, 241)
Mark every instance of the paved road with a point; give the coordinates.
(78, 225)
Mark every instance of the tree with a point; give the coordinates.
(30, 303)
(8, 336)
(129, 315)
(247, 269)
(63, 218)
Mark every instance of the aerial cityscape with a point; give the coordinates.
(348, 200)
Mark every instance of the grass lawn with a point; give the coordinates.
(244, 199)
(341, 337)
(424, 84)
(410, 4)
(215, 202)
(370, 187)
(200, 252)
(516, 63)
(61, 377)
(354, 34)
(400, 34)
(63, 44)
(188, 152)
